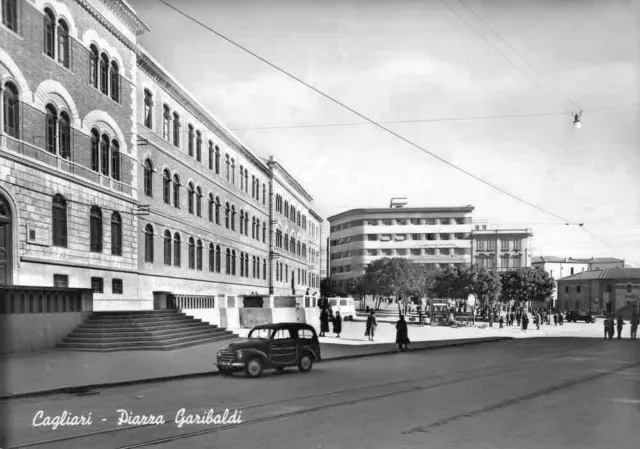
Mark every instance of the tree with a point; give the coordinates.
(526, 284)
(461, 281)
(377, 280)
(356, 286)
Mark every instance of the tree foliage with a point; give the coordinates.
(461, 281)
(526, 284)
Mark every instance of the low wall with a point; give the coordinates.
(285, 315)
(250, 317)
(26, 332)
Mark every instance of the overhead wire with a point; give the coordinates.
(364, 117)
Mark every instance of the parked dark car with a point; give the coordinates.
(274, 346)
(576, 315)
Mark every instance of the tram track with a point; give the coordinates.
(475, 375)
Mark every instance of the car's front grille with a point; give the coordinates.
(226, 356)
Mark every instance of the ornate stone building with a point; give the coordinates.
(114, 177)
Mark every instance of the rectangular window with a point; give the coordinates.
(97, 285)
(504, 245)
(517, 244)
(61, 280)
(116, 286)
(480, 245)
(491, 245)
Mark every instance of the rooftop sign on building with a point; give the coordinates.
(397, 202)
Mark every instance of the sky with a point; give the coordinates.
(442, 63)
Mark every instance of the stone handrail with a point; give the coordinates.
(190, 301)
(21, 299)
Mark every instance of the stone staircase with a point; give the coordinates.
(142, 331)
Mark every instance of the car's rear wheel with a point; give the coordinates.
(305, 363)
(253, 368)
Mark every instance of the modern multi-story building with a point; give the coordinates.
(560, 267)
(114, 177)
(501, 249)
(436, 236)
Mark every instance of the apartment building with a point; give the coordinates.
(501, 249)
(436, 236)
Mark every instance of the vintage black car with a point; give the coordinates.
(274, 346)
(576, 315)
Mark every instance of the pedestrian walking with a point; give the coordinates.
(606, 329)
(337, 324)
(536, 320)
(324, 322)
(402, 334)
(525, 321)
(555, 319)
(620, 324)
(634, 326)
(372, 323)
(519, 318)
(501, 321)
(560, 319)
(610, 327)
(513, 318)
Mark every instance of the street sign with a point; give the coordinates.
(471, 300)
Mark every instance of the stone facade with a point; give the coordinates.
(63, 191)
(501, 249)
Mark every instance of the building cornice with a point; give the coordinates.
(108, 25)
(316, 216)
(273, 164)
(401, 211)
(153, 69)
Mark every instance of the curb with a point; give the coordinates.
(87, 388)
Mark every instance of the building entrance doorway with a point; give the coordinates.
(5, 242)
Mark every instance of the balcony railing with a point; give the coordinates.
(14, 300)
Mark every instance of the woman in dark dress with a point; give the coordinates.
(337, 324)
(324, 322)
(402, 334)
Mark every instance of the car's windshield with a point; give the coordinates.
(260, 333)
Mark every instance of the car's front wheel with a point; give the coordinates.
(305, 363)
(253, 368)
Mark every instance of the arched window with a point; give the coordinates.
(286, 242)
(93, 65)
(292, 214)
(246, 181)
(264, 269)
(298, 218)
(64, 131)
(578, 289)
(253, 227)
(246, 225)
(233, 171)
(11, 105)
(115, 82)
(211, 155)
(217, 160)
(257, 189)
(95, 229)
(166, 186)
(148, 178)
(166, 122)
(212, 258)
(199, 255)
(52, 129)
(190, 140)
(278, 238)
(211, 207)
(264, 233)
(233, 262)
(246, 264)
(286, 209)
(10, 14)
(233, 218)
(95, 150)
(176, 250)
(190, 193)
(167, 247)
(192, 253)
(199, 202)
(59, 215)
(241, 221)
(253, 266)
(299, 248)
(227, 215)
(148, 109)
(218, 258)
(253, 186)
(115, 160)
(49, 32)
(227, 167)
(176, 129)
(264, 194)
(217, 210)
(292, 245)
(104, 73)
(116, 234)
(63, 43)
(104, 154)
(241, 177)
(198, 146)
(228, 262)
(148, 244)
(176, 191)
(241, 264)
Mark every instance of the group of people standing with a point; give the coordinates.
(610, 324)
(327, 316)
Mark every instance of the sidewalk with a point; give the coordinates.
(31, 374)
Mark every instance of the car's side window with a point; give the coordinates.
(305, 334)
(282, 334)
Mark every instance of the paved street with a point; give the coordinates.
(555, 393)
